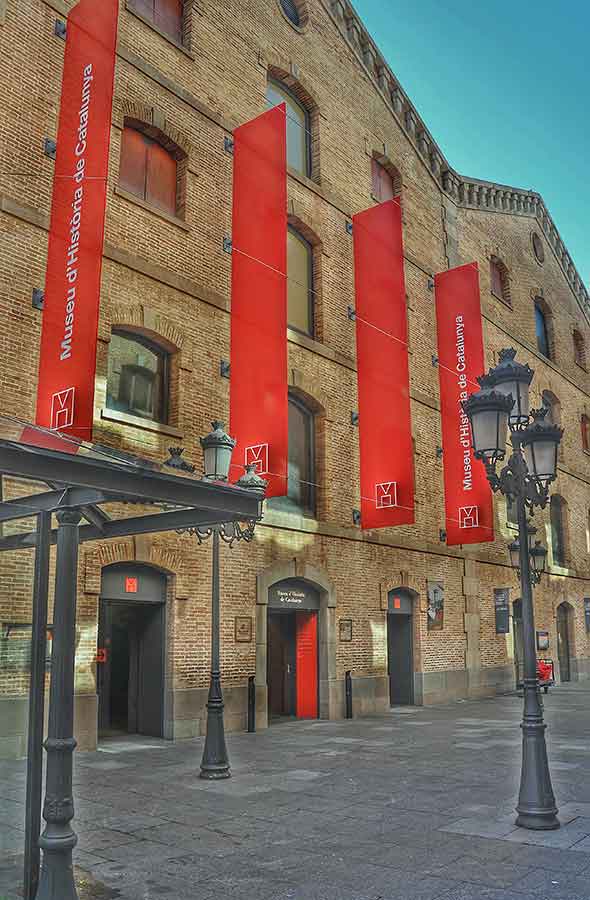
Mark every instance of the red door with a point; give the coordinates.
(307, 665)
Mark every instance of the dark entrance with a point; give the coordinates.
(564, 612)
(131, 644)
(400, 643)
(292, 653)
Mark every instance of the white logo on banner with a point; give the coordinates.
(468, 517)
(62, 409)
(386, 494)
(257, 456)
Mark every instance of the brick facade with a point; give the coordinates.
(168, 277)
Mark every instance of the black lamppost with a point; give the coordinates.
(217, 452)
(502, 403)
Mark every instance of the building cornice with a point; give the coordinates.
(470, 193)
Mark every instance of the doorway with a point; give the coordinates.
(564, 623)
(292, 653)
(400, 647)
(131, 651)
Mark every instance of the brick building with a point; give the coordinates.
(186, 75)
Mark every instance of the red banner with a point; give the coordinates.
(67, 363)
(385, 428)
(258, 385)
(468, 496)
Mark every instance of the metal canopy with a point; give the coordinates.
(80, 478)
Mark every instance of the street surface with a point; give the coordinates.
(415, 806)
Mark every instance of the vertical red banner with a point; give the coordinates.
(385, 428)
(468, 496)
(306, 706)
(67, 363)
(258, 384)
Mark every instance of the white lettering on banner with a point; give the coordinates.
(75, 223)
(386, 494)
(468, 517)
(257, 456)
(464, 430)
(62, 409)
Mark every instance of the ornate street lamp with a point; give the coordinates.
(217, 452)
(525, 480)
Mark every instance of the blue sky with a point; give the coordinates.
(504, 89)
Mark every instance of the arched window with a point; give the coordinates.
(167, 15)
(553, 407)
(542, 330)
(137, 378)
(301, 482)
(499, 280)
(148, 170)
(382, 180)
(585, 428)
(558, 515)
(579, 349)
(298, 127)
(300, 273)
(291, 10)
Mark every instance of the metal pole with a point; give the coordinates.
(536, 803)
(215, 762)
(36, 707)
(58, 839)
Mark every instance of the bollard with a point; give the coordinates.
(348, 694)
(251, 704)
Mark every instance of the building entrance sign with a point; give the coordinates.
(293, 594)
(67, 363)
(502, 610)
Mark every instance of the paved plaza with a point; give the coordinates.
(414, 806)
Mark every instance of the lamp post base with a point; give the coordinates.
(538, 820)
(215, 773)
(536, 807)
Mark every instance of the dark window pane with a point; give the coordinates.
(291, 11)
(136, 378)
(585, 424)
(301, 465)
(496, 278)
(298, 154)
(133, 162)
(541, 329)
(557, 513)
(161, 179)
(300, 283)
(168, 17)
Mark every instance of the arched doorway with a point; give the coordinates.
(400, 646)
(564, 635)
(293, 650)
(131, 650)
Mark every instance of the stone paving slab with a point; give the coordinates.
(329, 811)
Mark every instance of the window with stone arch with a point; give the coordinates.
(138, 375)
(295, 11)
(499, 280)
(171, 17)
(303, 277)
(553, 406)
(153, 167)
(558, 520)
(302, 122)
(302, 478)
(386, 181)
(579, 349)
(543, 328)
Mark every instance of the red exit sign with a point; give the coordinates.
(131, 585)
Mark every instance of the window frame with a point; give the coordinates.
(585, 432)
(162, 353)
(292, 229)
(496, 265)
(178, 39)
(309, 415)
(140, 129)
(376, 169)
(540, 311)
(558, 503)
(284, 89)
(579, 349)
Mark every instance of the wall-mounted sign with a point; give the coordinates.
(293, 594)
(131, 585)
(345, 629)
(502, 610)
(243, 629)
(436, 605)
(587, 612)
(542, 640)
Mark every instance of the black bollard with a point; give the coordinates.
(251, 704)
(348, 694)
